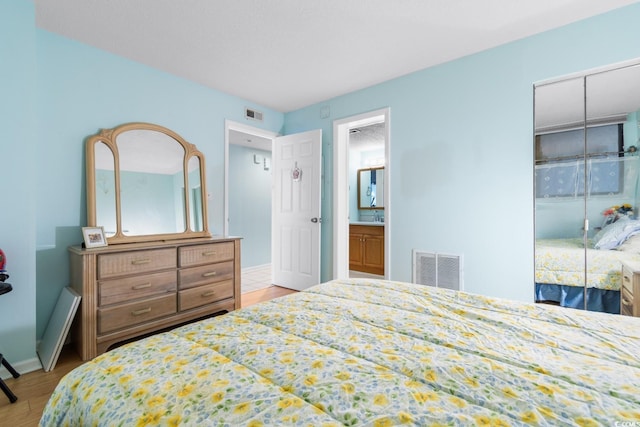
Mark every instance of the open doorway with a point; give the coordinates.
(248, 199)
(361, 223)
(273, 201)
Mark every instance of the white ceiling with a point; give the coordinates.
(248, 140)
(364, 138)
(367, 138)
(288, 54)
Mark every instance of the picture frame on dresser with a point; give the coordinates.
(94, 237)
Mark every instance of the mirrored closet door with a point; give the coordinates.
(586, 187)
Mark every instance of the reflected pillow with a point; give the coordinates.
(632, 244)
(613, 235)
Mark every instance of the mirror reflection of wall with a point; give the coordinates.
(366, 151)
(105, 191)
(195, 199)
(151, 203)
(151, 193)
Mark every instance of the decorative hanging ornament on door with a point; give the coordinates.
(296, 174)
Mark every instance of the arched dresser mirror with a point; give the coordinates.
(145, 183)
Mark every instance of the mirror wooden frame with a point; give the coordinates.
(109, 138)
(371, 170)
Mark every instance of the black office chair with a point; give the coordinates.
(4, 288)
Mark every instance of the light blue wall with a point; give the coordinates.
(250, 204)
(79, 90)
(18, 182)
(82, 89)
(461, 150)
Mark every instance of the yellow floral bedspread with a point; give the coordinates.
(364, 352)
(562, 262)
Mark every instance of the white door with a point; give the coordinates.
(297, 170)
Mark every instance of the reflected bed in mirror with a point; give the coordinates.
(145, 183)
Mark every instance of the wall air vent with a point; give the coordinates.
(252, 114)
(438, 270)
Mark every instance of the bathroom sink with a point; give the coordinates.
(367, 223)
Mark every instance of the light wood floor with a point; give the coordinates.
(34, 388)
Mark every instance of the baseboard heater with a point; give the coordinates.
(438, 270)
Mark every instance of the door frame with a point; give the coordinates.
(230, 125)
(341, 129)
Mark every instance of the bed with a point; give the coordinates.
(560, 274)
(367, 352)
(560, 266)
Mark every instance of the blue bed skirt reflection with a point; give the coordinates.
(607, 301)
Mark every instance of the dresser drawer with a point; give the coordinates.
(127, 315)
(626, 302)
(114, 291)
(123, 264)
(206, 254)
(207, 294)
(196, 276)
(627, 279)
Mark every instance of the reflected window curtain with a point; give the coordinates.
(558, 179)
(613, 177)
(606, 177)
(630, 176)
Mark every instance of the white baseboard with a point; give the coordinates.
(23, 367)
(255, 267)
(363, 275)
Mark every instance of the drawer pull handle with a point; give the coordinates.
(140, 261)
(142, 286)
(626, 278)
(625, 301)
(209, 253)
(209, 274)
(209, 294)
(141, 312)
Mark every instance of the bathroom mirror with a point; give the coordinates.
(145, 183)
(371, 188)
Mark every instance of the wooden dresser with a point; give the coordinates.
(130, 290)
(630, 290)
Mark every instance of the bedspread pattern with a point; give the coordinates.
(365, 352)
(562, 262)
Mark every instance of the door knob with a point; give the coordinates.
(314, 220)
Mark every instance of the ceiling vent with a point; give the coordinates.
(252, 114)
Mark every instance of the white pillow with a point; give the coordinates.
(613, 235)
